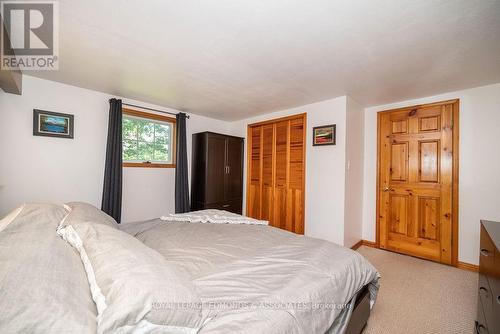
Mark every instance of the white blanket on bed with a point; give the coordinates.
(212, 216)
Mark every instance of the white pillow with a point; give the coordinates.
(134, 287)
(10, 217)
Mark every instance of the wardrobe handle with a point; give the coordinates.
(228, 169)
(485, 252)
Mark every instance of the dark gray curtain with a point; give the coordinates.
(112, 190)
(181, 169)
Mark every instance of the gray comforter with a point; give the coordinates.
(259, 279)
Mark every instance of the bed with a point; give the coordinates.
(246, 276)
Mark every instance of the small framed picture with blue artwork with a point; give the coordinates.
(52, 124)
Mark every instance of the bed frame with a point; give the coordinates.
(360, 313)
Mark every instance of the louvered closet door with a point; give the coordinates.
(296, 190)
(254, 171)
(276, 154)
(282, 176)
(267, 172)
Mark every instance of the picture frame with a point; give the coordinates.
(53, 124)
(324, 135)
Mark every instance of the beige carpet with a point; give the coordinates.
(418, 296)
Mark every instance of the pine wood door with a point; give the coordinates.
(254, 168)
(417, 170)
(276, 172)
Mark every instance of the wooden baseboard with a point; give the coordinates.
(364, 243)
(370, 244)
(357, 245)
(468, 266)
(461, 265)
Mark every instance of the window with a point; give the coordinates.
(148, 140)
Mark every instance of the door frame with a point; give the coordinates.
(455, 171)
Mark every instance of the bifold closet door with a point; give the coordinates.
(254, 171)
(296, 179)
(276, 163)
(267, 192)
(282, 176)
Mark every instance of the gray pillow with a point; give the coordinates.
(85, 212)
(43, 286)
(134, 287)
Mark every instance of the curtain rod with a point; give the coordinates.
(146, 108)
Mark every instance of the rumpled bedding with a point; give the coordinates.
(260, 279)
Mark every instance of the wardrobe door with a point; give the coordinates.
(282, 170)
(296, 191)
(234, 172)
(268, 173)
(254, 169)
(216, 168)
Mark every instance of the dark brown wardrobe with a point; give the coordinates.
(276, 172)
(217, 172)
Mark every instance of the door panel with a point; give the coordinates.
(429, 161)
(282, 172)
(267, 173)
(399, 161)
(295, 209)
(399, 214)
(415, 181)
(428, 218)
(254, 173)
(216, 168)
(400, 126)
(297, 154)
(234, 175)
(431, 123)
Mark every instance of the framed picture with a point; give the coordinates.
(52, 124)
(324, 135)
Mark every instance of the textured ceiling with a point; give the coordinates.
(231, 59)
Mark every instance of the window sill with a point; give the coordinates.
(147, 165)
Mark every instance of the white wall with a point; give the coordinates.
(479, 167)
(325, 168)
(53, 169)
(354, 173)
